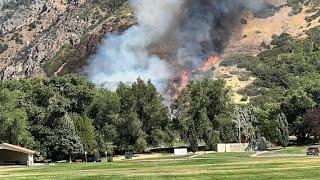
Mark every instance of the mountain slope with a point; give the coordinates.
(256, 36)
(53, 38)
(33, 32)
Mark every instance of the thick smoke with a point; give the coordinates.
(125, 57)
(206, 28)
(198, 28)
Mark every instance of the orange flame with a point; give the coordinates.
(211, 60)
(184, 79)
(183, 83)
(185, 75)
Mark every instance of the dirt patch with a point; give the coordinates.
(261, 30)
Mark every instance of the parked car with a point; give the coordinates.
(313, 151)
(93, 158)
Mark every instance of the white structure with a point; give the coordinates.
(181, 152)
(232, 147)
(15, 155)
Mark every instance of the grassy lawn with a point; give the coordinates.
(210, 166)
(293, 150)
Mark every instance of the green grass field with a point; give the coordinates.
(210, 166)
(296, 150)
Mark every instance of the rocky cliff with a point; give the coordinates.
(42, 38)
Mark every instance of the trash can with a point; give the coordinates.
(109, 158)
(128, 155)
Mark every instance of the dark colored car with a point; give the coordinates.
(93, 158)
(313, 151)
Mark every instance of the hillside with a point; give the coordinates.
(50, 38)
(37, 38)
(256, 36)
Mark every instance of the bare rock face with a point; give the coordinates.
(34, 33)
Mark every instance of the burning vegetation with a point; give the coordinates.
(173, 41)
(181, 80)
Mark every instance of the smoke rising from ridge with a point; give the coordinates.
(198, 28)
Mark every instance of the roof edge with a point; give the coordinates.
(12, 147)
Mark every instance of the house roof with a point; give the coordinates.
(11, 147)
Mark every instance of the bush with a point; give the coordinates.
(244, 98)
(16, 4)
(240, 60)
(245, 76)
(110, 4)
(3, 48)
(282, 39)
(32, 26)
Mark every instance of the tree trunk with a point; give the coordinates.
(70, 161)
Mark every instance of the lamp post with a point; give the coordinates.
(85, 155)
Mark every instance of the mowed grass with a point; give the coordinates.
(291, 150)
(210, 166)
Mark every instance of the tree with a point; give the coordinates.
(297, 104)
(248, 125)
(283, 130)
(130, 133)
(197, 109)
(85, 131)
(295, 108)
(227, 128)
(78, 90)
(14, 127)
(66, 139)
(151, 112)
(312, 118)
(104, 111)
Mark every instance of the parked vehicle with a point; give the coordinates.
(93, 158)
(313, 151)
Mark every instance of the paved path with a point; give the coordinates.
(270, 154)
(258, 153)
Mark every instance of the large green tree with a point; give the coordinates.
(65, 138)
(104, 111)
(197, 109)
(85, 131)
(14, 127)
(131, 135)
(152, 113)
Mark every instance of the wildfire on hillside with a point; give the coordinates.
(180, 82)
(184, 79)
(211, 61)
(180, 40)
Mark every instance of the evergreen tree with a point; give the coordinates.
(283, 131)
(85, 131)
(66, 139)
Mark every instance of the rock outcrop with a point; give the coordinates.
(33, 33)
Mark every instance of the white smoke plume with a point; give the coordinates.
(125, 57)
(201, 28)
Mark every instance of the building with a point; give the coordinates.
(232, 147)
(15, 155)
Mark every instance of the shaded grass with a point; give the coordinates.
(210, 166)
